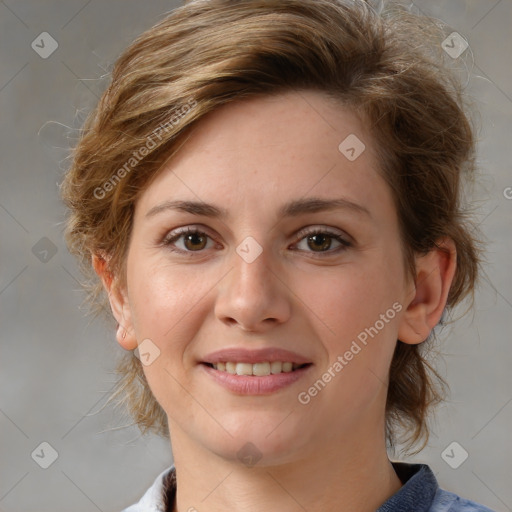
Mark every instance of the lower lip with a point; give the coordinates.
(253, 385)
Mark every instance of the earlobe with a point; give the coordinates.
(434, 275)
(119, 305)
(126, 339)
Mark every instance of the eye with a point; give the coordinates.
(321, 239)
(194, 240)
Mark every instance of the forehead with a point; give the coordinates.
(272, 148)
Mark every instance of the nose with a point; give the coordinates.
(253, 296)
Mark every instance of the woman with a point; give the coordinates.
(269, 193)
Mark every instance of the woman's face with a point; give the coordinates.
(269, 268)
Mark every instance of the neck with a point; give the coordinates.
(337, 475)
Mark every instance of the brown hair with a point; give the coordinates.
(388, 67)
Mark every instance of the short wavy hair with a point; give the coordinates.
(384, 63)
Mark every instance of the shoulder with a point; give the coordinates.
(445, 501)
(421, 492)
(153, 499)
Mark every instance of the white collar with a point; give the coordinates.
(153, 498)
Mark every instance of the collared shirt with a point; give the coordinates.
(420, 493)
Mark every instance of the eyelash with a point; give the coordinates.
(302, 234)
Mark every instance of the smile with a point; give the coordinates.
(257, 369)
(255, 378)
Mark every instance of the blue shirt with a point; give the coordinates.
(420, 493)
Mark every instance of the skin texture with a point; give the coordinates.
(251, 157)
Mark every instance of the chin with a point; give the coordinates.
(260, 443)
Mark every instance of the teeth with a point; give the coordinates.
(260, 369)
(287, 367)
(257, 369)
(243, 368)
(276, 367)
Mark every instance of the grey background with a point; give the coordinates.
(56, 363)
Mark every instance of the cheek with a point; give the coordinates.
(165, 300)
(348, 301)
(357, 311)
(163, 305)
(168, 306)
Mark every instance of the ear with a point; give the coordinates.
(118, 302)
(434, 275)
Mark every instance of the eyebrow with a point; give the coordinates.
(291, 209)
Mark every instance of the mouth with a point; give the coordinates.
(261, 369)
(261, 378)
(257, 371)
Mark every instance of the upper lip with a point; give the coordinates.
(243, 355)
